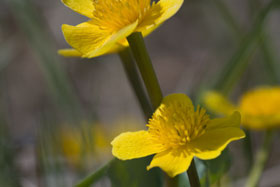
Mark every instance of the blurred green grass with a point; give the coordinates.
(52, 169)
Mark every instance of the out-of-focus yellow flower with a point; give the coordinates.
(90, 143)
(86, 143)
(176, 134)
(259, 108)
(111, 21)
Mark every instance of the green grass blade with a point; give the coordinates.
(32, 24)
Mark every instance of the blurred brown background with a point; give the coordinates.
(188, 52)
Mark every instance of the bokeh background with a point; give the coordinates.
(58, 115)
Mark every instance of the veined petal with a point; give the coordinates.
(217, 103)
(173, 162)
(91, 41)
(169, 8)
(131, 145)
(218, 134)
(159, 13)
(84, 7)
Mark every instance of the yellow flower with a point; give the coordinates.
(84, 144)
(176, 134)
(260, 107)
(111, 21)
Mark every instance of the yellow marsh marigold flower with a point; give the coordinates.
(111, 21)
(176, 134)
(260, 107)
(93, 143)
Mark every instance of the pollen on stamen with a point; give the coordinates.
(114, 15)
(180, 125)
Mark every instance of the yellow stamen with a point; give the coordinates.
(116, 14)
(179, 125)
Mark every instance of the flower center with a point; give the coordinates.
(178, 124)
(114, 15)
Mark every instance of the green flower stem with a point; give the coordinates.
(193, 176)
(247, 149)
(145, 66)
(95, 176)
(135, 81)
(261, 159)
(172, 182)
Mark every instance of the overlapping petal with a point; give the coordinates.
(131, 145)
(218, 134)
(173, 162)
(183, 99)
(90, 40)
(159, 13)
(178, 98)
(84, 7)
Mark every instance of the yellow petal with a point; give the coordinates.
(84, 7)
(218, 134)
(172, 99)
(131, 145)
(69, 53)
(74, 53)
(177, 97)
(233, 120)
(173, 162)
(261, 122)
(261, 101)
(260, 108)
(91, 41)
(159, 13)
(217, 103)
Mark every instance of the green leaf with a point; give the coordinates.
(133, 173)
(219, 166)
(95, 176)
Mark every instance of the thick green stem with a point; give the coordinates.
(193, 176)
(261, 159)
(172, 182)
(145, 66)
(135, 81)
